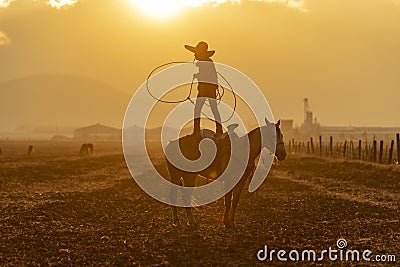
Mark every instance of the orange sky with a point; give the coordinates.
(342, 54)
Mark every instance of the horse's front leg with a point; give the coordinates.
(189, 181)
(236, 196)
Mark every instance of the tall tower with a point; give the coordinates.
(308, 116)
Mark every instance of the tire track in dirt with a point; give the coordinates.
(346, 190)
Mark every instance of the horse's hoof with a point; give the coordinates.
(176, 224)
(192, 224)
(229, 226)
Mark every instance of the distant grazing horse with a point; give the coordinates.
(30, 149)
(189, 148)
(87, 149)
(84, 149)
(90, 148)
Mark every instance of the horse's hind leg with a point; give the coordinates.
(175, 179)
(189, 181)
(228, 200)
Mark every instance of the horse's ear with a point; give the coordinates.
(278, 123)
(266, 121)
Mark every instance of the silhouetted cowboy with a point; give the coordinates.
(208, 85)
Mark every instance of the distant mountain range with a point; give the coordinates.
(59, 100)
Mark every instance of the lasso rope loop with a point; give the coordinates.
(218, 98)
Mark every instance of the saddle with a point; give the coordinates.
(206, 133)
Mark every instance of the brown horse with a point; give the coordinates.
(90, 148)
(30, 149)
(87, 149)
(219, 165)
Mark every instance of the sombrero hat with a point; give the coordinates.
(201, 49)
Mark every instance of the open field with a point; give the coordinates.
(58, 208)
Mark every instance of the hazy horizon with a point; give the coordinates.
(342, 55)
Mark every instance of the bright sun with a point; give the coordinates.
(159, 9)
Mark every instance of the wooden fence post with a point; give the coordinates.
(320, 145)
(398, 148)
(344, 149)
(294, 147)
(331, 146)
(312, 145)
(391, 152)
(351, 150)
(386, 156)
(359, 149)
(370, 153)
(308, 147)
(375, 151)
(380, 150)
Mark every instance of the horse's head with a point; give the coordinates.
(273, 130)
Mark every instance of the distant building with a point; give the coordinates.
(360, 132)
(287, 126)
(311, 128)
(98, 131)
(310, 125)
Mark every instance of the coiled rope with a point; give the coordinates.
(218, 98)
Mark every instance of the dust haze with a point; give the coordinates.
(343, 55)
